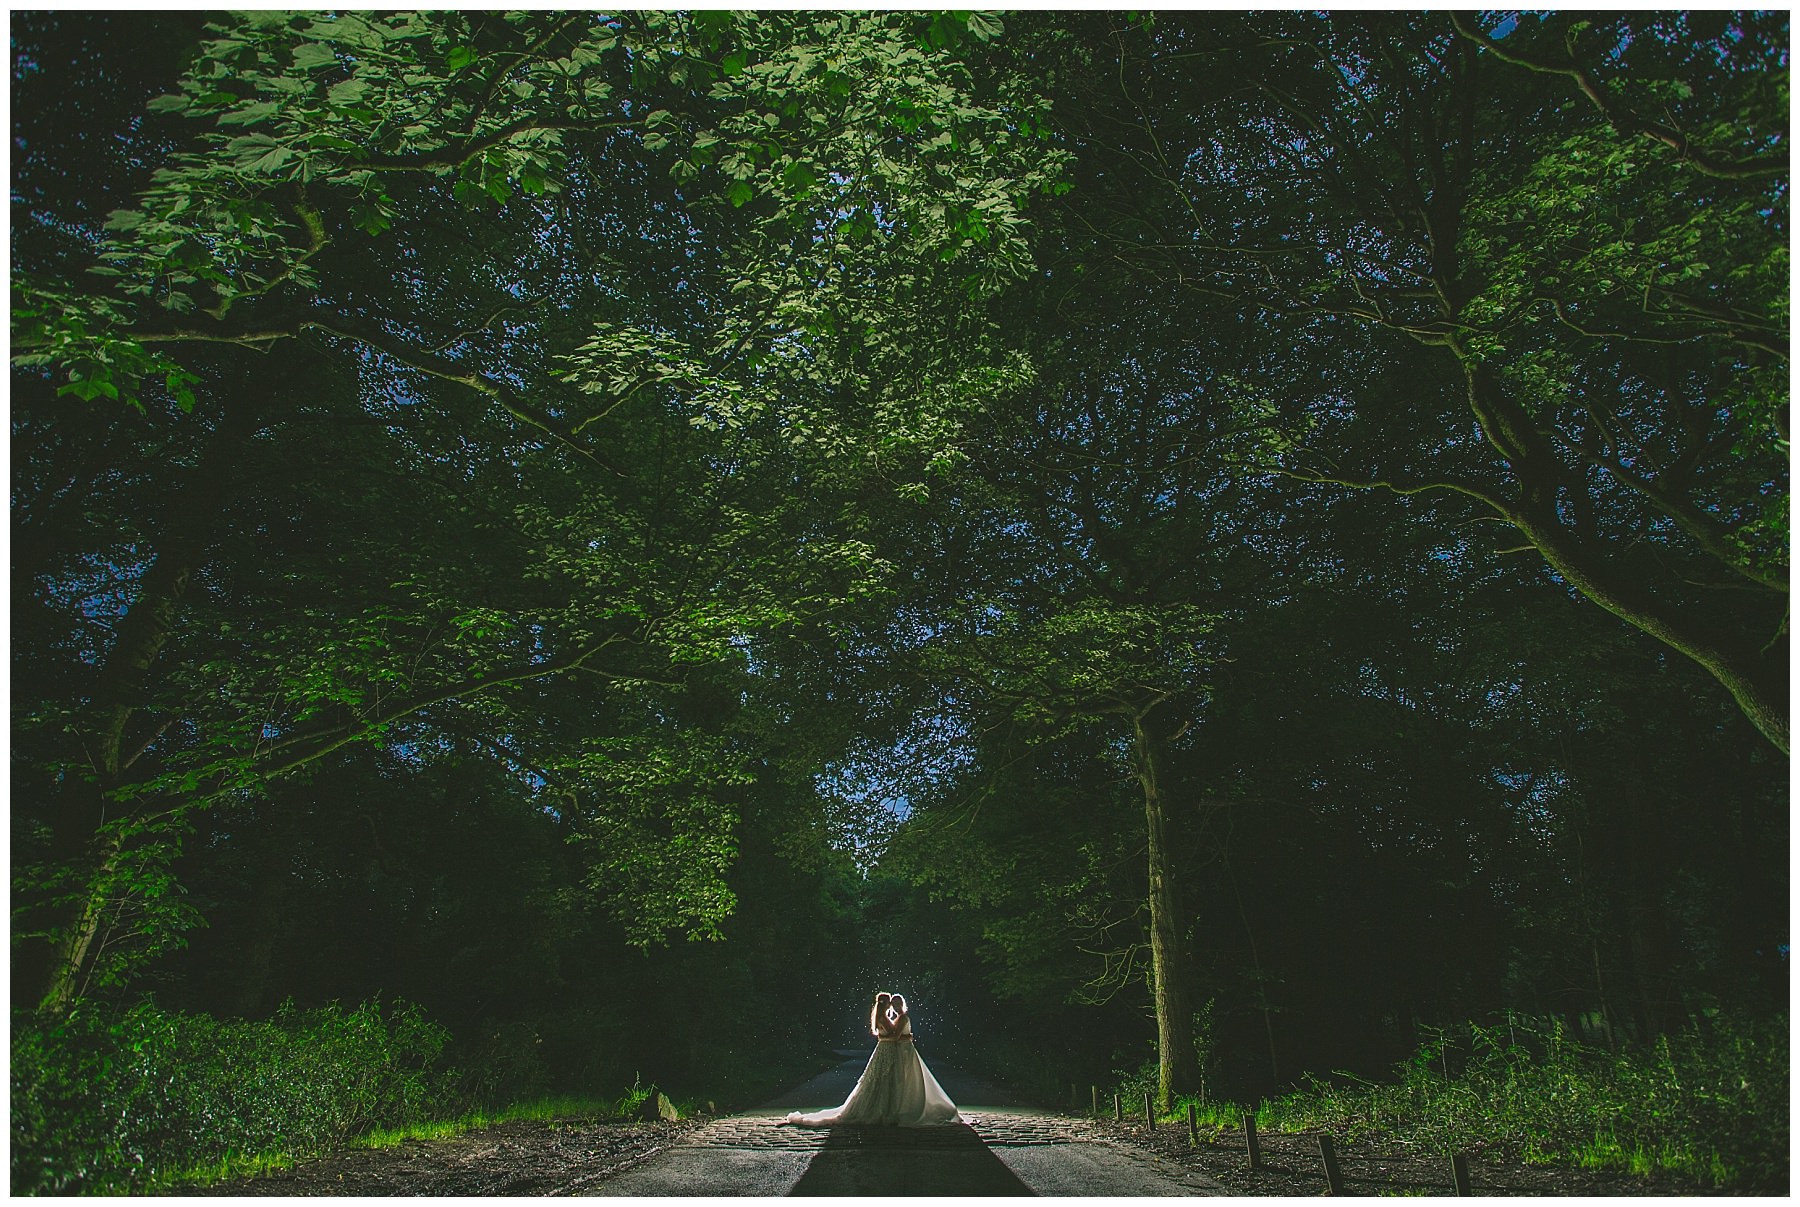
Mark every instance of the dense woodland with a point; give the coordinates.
(1200, 547)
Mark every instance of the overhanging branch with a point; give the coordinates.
(338, 736)
(1455, 485)
(448, 370)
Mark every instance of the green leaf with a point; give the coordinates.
(308, 55)
(369, 219)
(739, 192)
(798, 176)
(347, 92)
(985, 26)
(946, 30)
(250, 114)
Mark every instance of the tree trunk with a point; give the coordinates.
(1647, 932)
(141, 634)
(1262, 984)
(263, 920)
(70, 968)
(140, 637)
(118, 688)
(1178, 1065)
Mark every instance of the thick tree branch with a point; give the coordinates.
(259, 340)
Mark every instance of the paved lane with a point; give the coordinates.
(1003, 1148)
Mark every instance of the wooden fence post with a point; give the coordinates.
(1149, 1113)
(1193, 1127)
(1118, 1110)
(1334, 1181)
(1459, 1173)
(1252, 1149)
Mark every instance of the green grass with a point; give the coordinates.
(1704, 1165)
(228, 1168)
(1211, 1119)
(540, 1110)
(431, 1129)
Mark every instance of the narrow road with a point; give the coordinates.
(1002, 1148)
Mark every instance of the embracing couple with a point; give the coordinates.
(896, 1087)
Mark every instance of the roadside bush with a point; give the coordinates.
(550, 1053)
(1710, 1103)
(129, 1100)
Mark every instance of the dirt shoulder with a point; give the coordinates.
(526, 1158)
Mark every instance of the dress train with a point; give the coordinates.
(896, 1087)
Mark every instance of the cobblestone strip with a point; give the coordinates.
(993, 1129)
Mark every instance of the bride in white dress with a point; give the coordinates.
(896, 1087)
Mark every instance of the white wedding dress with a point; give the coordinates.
(896, 1087)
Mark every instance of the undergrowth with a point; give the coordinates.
(1709, 1104)
(116, 1102)
(144, 1099)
